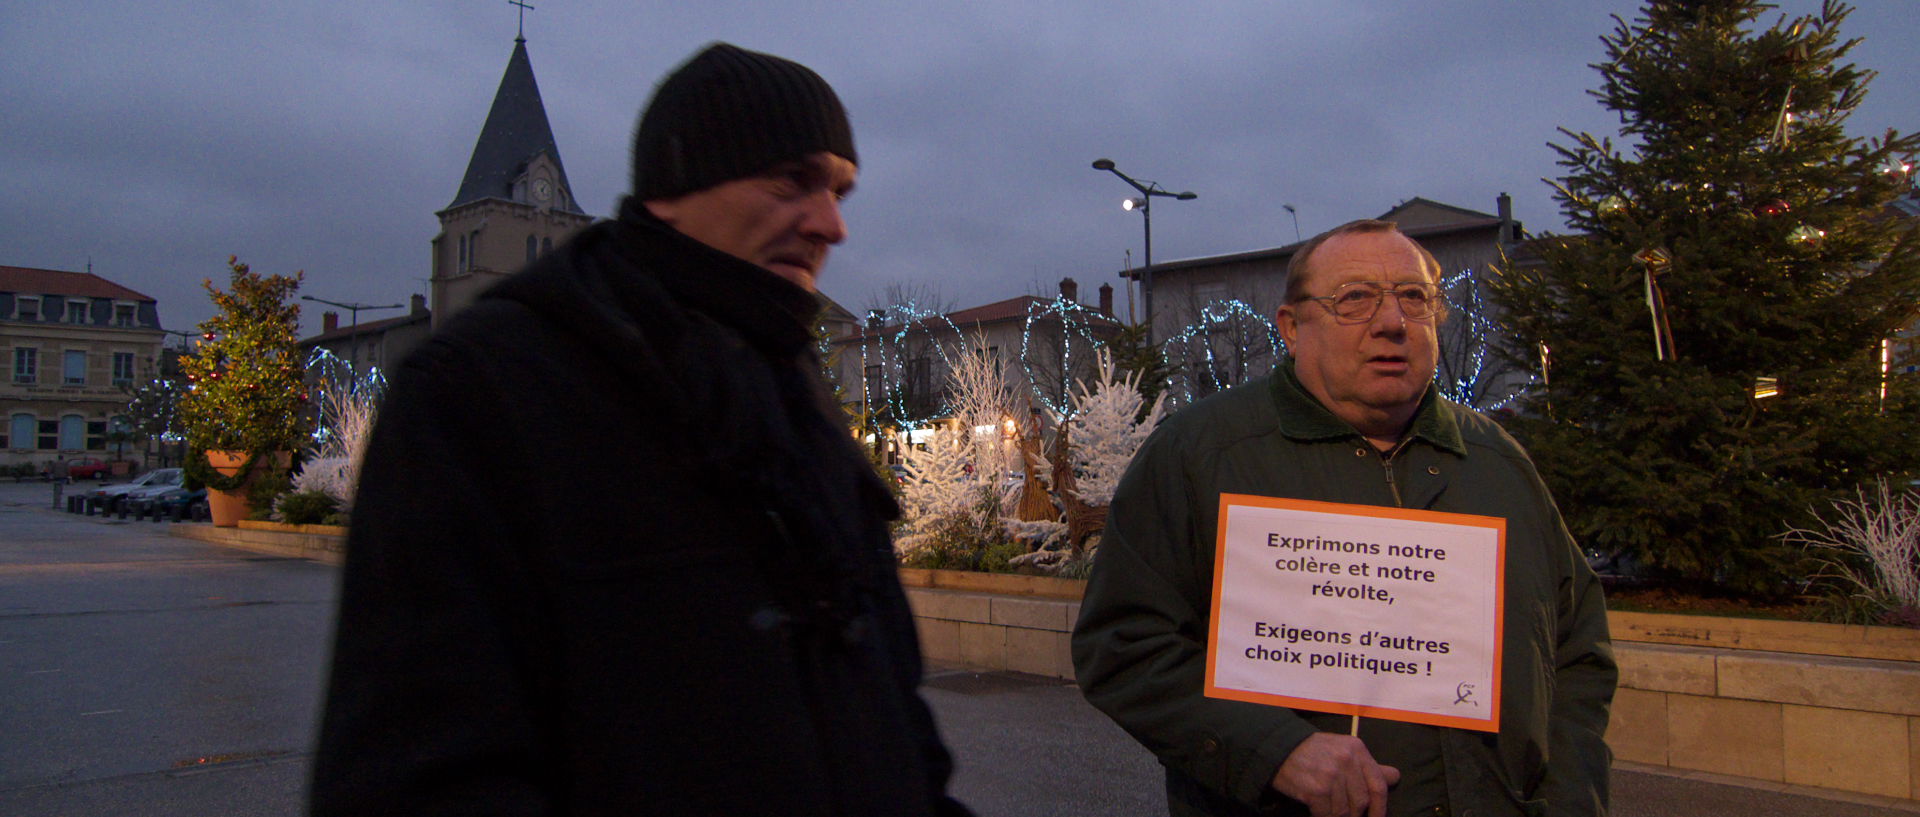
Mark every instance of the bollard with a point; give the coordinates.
(179, 511)
(124, 508)
(56, 495)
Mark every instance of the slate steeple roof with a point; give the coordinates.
(516, 131)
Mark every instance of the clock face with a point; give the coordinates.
(542, 189)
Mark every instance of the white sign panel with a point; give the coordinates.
(1358, 609)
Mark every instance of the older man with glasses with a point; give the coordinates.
(1351, 416)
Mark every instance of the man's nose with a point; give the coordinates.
(821, 219)
(1389, 319)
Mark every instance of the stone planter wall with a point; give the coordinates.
(321, 543)
(1786, 703)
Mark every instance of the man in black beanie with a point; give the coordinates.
(613, 550)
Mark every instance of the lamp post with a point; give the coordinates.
(353, 335)
(1145, 205)
(1296, 221)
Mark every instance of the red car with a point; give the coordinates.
(86, 468)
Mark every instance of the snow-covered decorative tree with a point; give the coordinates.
(1111, 419)
(1108, 426)
(941, 502)
(1713, 340)
(347, 415)
(952, 501)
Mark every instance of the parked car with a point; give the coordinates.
(86, 468)
(108, 497)
(176, 504)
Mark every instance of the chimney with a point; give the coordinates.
(329, 321)
(1106, 300)
(1506, 219)
(1069, 290)
(417, 305)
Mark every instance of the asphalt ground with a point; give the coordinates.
(148, 675)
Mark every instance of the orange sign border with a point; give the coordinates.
(1491, 723)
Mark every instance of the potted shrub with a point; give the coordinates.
(244, 411)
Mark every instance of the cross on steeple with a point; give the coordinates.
(521, 34)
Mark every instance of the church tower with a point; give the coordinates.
(514, 203)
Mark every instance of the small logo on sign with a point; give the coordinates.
(1463, 694)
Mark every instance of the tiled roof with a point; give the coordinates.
(1011, 309)
(368, 328)
(30, 281)
(1431, 231)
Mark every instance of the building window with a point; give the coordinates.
(73, 367)
(73, 429)
(874, 395)
(533, 248)
(49, 435)
(96, 435)
(27, 309)
(26, 364)
(77, 312)
(546, 245)
(473, 250)
(123, 315)
(920, 382)
(122, 368)
(463, 255)
(20, 431)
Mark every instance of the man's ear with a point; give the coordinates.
(1285, 320)
(663, 209)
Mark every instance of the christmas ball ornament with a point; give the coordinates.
(1772, 208)
(207, 336)
(1612, 205)
(1805, 236)
(1896, 168)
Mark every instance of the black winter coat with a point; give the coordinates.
(611, 556)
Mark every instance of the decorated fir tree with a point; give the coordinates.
(244, 381)
(1711, 339)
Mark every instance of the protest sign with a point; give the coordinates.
(1358, 609)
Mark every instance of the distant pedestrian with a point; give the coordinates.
(614, 551)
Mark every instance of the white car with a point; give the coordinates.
(149, 484)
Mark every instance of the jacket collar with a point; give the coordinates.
(771, 312)
(1303, 418)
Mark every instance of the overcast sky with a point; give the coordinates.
(154, 140)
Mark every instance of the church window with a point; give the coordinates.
(473, 249)
(546, 245)
(463, 255)
(533, 247)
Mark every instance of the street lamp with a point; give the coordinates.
(353, 336)
(1296, 221)
(1145, 205)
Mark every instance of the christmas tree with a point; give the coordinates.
(1711, 342)
(244, 381)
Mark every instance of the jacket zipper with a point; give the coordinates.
(1386, 464)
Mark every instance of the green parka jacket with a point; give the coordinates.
(1140, 645)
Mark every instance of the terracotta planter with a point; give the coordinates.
(229, 507)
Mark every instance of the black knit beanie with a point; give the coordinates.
(729, 113)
